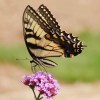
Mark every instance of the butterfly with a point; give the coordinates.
(44, 38)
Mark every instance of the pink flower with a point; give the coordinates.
(26, 79)
(44, 83)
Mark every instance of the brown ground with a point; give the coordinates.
(12, 89)
(73, 16)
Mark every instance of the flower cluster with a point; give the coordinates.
(43, 82)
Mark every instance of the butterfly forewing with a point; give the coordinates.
(35, 31)
(48, 17)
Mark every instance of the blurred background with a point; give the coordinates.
(79, 77)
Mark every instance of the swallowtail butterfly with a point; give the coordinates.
(44, 38)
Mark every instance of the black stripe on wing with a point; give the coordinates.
(31, 35)
(35, 46)
(48, 62)
(33, 14)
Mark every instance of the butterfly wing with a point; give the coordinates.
(37, 34)
(73, 46)
(48, 17)
(69, 43)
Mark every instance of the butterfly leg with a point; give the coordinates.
(33, 68)
(39, 67)
(44, 69)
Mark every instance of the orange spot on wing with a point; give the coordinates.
(71, 55)
(47, 36)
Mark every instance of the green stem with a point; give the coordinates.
(34, 93)
(39, 96)
(36, 98)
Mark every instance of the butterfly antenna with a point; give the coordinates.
(24, 59)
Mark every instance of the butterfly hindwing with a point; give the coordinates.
(68, 41)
